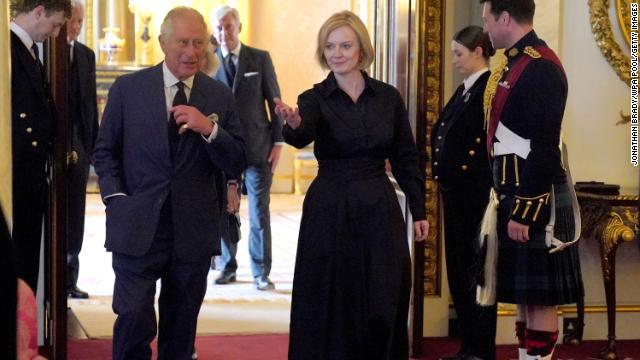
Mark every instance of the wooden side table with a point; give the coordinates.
(612, 219)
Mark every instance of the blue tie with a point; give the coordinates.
(231, 70)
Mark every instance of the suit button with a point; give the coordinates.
(439, 137)
(437, 149)
(478, 140)
(23, 115)
(436, 177)
(464, 167)
(34, 144)
(435, 163)
(472, 152)
(29, 130)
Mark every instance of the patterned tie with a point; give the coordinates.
(174, 138)
(231, 69)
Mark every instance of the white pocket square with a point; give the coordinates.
(248, 74)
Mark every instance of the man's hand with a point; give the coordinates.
(518, 232)
(233, 199)
(189, 118)
(421, 229)
(274, 156)
(288, 114)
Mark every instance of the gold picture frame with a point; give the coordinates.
(603, 32)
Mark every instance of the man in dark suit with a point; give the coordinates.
(165, 134)
(249, 73)
(32, 121)
(84, 121)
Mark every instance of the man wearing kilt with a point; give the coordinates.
(536, 217)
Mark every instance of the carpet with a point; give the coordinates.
(216, 317)
(274, 347)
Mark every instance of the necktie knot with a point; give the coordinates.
(180, 86)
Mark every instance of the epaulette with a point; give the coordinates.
(533, 53)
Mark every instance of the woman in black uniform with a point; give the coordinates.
(353, 277)
(461, 168)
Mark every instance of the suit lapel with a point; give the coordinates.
(197, 99)
(29, 64)
(243, 60)
(469, 96)
(81, 64)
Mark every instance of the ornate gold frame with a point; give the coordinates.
(623, 9)
(603, 33)
(430, 56)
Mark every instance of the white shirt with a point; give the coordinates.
(471, 79)
(235, 52)
(24, 37)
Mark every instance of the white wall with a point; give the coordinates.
(599, 150)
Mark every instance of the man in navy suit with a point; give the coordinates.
(32, 124)
(83, 112)
(167, 133)
(249, 73)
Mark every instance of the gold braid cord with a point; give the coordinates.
(492, 87)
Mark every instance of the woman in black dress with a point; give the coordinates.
(461, 168)
(353, 276)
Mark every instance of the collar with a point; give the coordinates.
(471, 79)
(330, 84)
(22, 34)
(170, 79)
(235, 51)
(72, 43)
(531, 39)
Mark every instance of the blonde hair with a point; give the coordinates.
(346, 18)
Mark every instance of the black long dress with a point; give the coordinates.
(352, 276)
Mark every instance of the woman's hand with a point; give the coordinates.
(288, 114)
(421, 229)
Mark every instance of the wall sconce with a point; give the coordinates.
(143, 8)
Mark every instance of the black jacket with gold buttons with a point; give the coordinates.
(534, 111)
(458, 140)
(31, 115)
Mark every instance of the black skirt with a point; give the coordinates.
(527, 273)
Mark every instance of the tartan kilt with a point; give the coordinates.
(527, 273)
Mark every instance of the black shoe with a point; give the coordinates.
(263, 283)
(76, 293)
(225, 278)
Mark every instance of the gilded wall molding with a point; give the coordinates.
(623, 10)
(430, 56)
(5, 119)
(89, 15)
(603, 33)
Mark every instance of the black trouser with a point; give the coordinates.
(463, 211)
(77, 194)
(183, 286)
(29, 202)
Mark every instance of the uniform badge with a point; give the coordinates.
(467, 96)
(529, 50)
